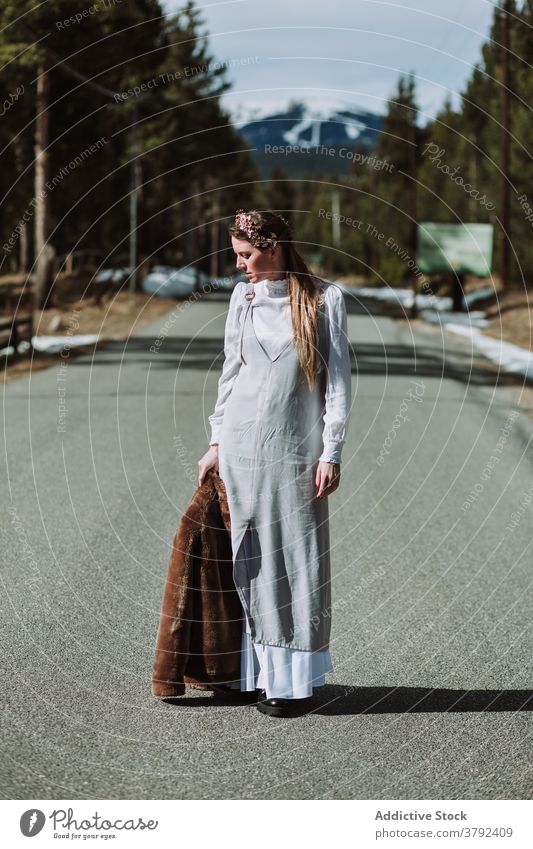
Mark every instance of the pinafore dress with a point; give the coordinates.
(270, 442)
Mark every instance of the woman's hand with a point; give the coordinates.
(208, 461)
(327, 478)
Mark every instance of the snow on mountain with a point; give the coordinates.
(297, 137)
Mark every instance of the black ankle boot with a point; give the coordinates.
(277, 706)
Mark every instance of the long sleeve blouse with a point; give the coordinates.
(339, 383)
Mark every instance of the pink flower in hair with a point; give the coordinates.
(246, 224)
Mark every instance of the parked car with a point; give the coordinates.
(169, 282)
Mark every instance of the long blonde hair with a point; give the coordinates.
(304, 293)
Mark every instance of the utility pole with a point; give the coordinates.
(135, 166)
(44, 273)
(215, 236)
(336, 218)
(412, 153)
(504, 197)
(134, 208)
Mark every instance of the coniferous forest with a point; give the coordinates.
(95, 103)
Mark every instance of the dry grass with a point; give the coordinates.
(509, 311)
(510, 319)
(116, 318)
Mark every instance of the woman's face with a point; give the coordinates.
(257, 264)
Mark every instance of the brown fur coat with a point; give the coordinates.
(199, 638)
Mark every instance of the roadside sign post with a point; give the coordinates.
(456, 250)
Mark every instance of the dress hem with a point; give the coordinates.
(289, 646)
(280, 671)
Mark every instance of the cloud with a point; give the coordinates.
(344, 50)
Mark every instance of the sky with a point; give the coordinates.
(342, 53)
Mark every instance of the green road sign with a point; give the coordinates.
(460, 248)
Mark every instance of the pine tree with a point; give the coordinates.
(394, 188)
(126, 74)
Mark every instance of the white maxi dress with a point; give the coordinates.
(282, 671)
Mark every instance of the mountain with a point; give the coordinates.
(306, 141)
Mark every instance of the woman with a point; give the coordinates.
(277, 433)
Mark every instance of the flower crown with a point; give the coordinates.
(245, 223)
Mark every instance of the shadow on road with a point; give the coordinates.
(206, 354)
(335, 700)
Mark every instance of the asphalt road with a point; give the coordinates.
(431, 695)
